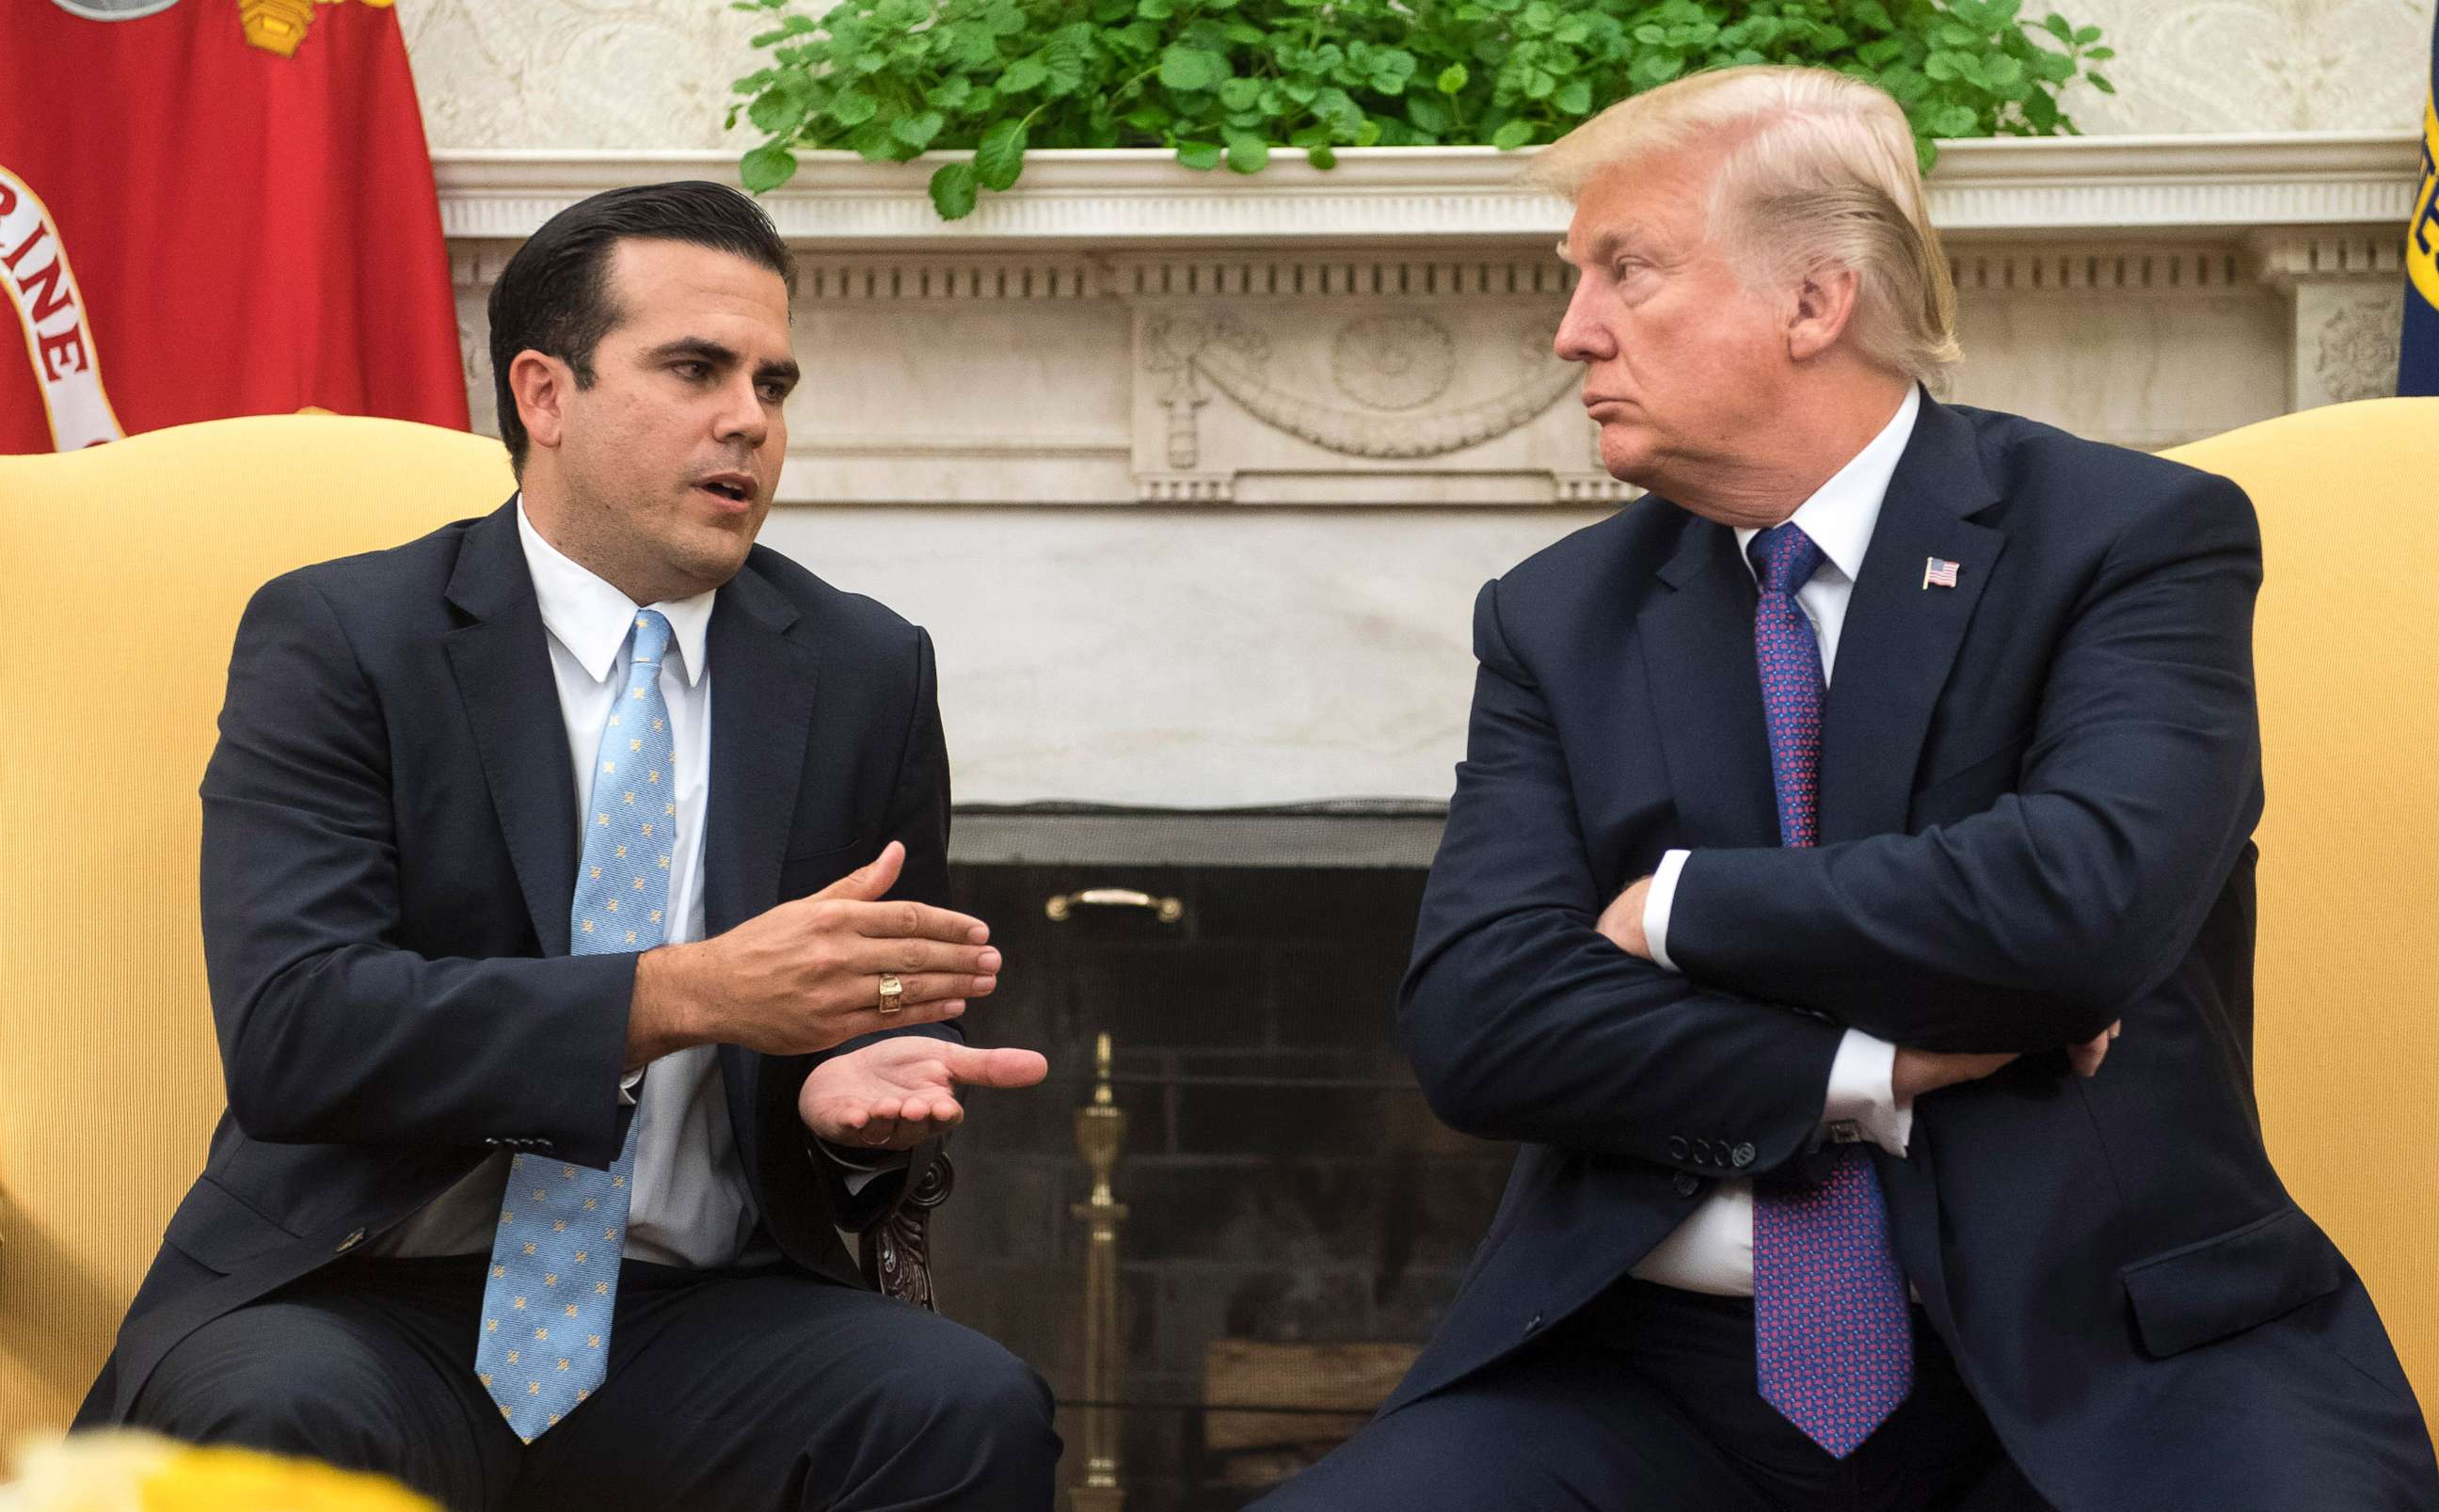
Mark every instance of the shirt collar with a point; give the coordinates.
(591, 618)
(1840, 514)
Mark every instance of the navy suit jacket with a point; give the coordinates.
(2036, 793)
(390, 859)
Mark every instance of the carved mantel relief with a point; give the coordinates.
(1344, 394)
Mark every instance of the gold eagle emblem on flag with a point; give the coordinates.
(278, 26)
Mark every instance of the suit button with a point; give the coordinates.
(350, 1242)
(1676, 1147)
(1688, 1183)
(1702, 1152)
(1741, 1156)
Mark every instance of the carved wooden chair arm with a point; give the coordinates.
(896, 1249)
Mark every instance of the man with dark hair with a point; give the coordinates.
(543, 1115)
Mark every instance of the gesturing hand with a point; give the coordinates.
(807, 975)
(895, 1093)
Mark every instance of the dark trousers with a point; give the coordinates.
(761, 1389)
(1645, 1403)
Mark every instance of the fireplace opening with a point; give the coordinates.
(1295, 1219)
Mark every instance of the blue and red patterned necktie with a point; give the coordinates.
(1833, 1343)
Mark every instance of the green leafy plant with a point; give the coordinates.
(1229, 81)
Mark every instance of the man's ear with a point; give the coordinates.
(1825, 304)
(540, 385)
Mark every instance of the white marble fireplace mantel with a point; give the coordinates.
(1091, 198)
(1193, 477)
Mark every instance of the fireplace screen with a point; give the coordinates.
(1295, 1220)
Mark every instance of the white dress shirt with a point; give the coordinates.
(691, 1205)
(1712, 1251)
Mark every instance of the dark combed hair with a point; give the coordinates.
(553, 296)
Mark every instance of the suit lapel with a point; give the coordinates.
(502, 666)
(1901, 634)
(762, 688)
(1698, 652)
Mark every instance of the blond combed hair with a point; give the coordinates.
(1817, 169)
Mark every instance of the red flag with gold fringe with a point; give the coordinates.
(215, 207)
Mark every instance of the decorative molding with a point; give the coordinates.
(870, 279)
(2327, 255)
(1367, 433)
(2357, 347)
(1186, 488)
(1175, 338)
(1106, 199)
(2201, 182)
(1416, 271)
(862, 274)
(1391, 363)
(2122, 267)
(1171, 353)
(1032, 444)
(1592, 488)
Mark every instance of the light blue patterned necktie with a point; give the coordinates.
(548, 1305)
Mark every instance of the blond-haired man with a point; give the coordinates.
(1825, 817)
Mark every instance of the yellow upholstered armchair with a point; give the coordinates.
(2345, 1049)
(127, 566)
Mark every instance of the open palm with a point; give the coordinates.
(896, 1092)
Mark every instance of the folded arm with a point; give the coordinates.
(2029, 927)
(1523, 1022)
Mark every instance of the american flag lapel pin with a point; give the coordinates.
(1937, 573)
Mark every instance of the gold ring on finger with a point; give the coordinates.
(893, 994)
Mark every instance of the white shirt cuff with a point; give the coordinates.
(1656, 904)
(859, 1171)
(1862, 1095)
(627, 1087)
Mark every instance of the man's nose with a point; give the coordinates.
(1582, 336)
(742, 415)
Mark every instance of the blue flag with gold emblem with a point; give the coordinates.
(2418, 358)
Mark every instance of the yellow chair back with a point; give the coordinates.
(127, 565)
(2346, 1031)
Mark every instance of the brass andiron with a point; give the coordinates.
(1100, 1132)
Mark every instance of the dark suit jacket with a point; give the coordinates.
(2036, 793)
(389, 857)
